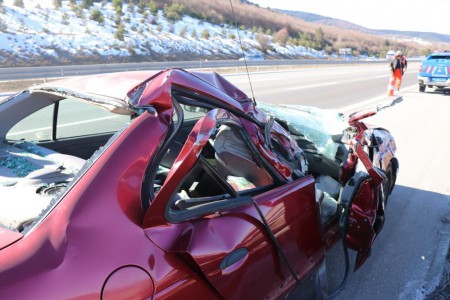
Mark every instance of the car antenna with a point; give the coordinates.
(243, 52)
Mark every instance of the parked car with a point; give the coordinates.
(252, 57)
(434, 71)
(175, 185)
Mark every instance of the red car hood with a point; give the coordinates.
(8, 237)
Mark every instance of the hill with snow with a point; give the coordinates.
(40, 34)
(420, 37)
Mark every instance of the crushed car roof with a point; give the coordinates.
(129, 90)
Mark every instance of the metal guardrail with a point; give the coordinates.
(76, 70)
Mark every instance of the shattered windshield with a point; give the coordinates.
(321, 127)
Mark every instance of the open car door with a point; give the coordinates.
(235, 238)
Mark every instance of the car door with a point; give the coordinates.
(363, 201)
(234, 238)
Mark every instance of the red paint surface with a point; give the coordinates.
(98, 240)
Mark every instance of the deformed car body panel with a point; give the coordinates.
(234, 230)
(95, 240)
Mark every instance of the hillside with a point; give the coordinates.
(393, 34)
(58, 32)
(39, 33)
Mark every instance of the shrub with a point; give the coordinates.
(281, 36)
(153, 7)
(174, 12)
(120, 33)
(264, 42)
(65, 19)
(205, 34)
(96, 15)
(87, 3)
(57, 3)
(18, 3)
(3, 26)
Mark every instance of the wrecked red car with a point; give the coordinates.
(176, 185)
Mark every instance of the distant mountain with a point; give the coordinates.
(318, 19)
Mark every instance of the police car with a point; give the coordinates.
(435, 71)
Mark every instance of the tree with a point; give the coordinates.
(3, 26)
(281, 36)
(117, 4)
(57, 3)
(319, 38)
(205, 34)
(120, 33)
(153, 8)
(174, 12)
(96, 15)
(142, 5)
(144, 17)
(263, 41)
(131, 7)
(65, 19)
(18, 3)
(87, 3)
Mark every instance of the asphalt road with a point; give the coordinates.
(77, 70)
(326, 87)
(409, 255)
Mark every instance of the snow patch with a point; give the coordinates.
(40, 29)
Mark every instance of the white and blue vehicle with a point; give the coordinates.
(435, 71)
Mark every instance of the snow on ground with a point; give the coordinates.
(40, 29)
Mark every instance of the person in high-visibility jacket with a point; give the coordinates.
(398, 68)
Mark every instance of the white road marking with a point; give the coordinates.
(311, 86)
(371, 102)
(62, 125)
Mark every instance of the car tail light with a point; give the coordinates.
(420, 69)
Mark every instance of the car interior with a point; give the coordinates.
(35, 169)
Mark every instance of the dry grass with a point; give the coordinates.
(219, 12)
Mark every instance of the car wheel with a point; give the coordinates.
(422, 88)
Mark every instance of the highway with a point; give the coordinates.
(332, 87)
(409, 255)
(77, 70)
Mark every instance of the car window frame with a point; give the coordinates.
(212, 204)
(228, 200)
(54, 123)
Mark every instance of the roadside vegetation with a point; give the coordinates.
(286, 29)
(87, 31)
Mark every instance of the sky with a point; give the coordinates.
(404, 15)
